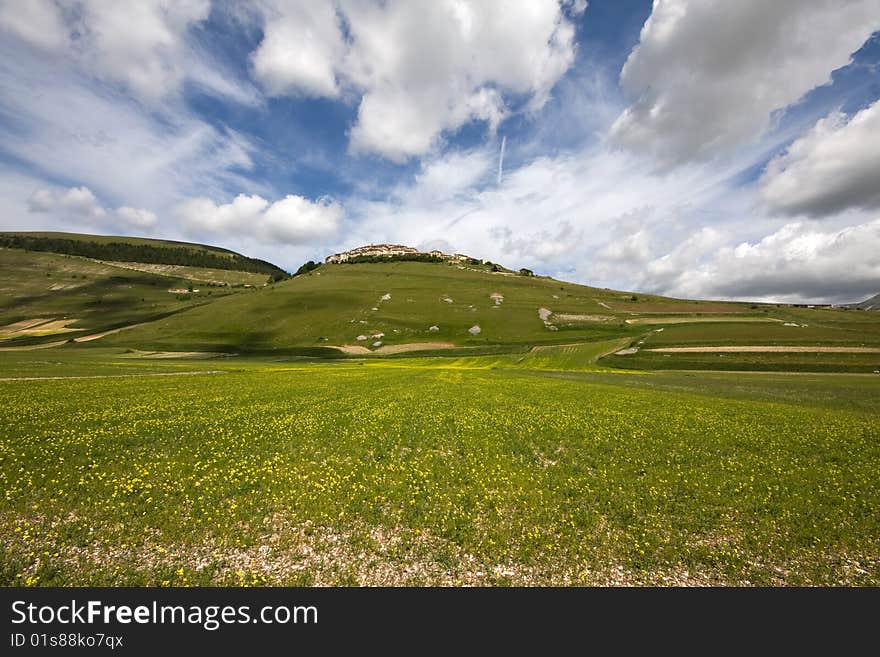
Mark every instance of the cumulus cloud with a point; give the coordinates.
(418, 68)
(443, 178)
(680, 269)
(543, 245)
(143, 46)
(301, 49)
(290, 220)
(137, 217)
(832, 168)
(708, 74)
(81, 204)
(78, 201)
(796, 263)
(631, 245)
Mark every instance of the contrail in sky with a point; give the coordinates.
(501, 159)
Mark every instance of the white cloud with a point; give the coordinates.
(543, 245)
(137, 218)
(139, 43)
(301, 49)
(68, 128)
(420, 68)
(143, 46)
(77, 201)
(81, 206)
(443, 178)
(42, 200)
(679, 269)
(550, 214)
(832, 168)
(37, 22)
(577, 7)
(708, 74)
(291, 220)
(796, 263)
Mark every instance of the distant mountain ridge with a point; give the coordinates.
(129, 249)
(868, 304)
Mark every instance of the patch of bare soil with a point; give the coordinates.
(23, 325)
(30, 347)
(351, 349)
(413, 346)
(38, 326)
(174, 354)
(368, 555)
(357, 350)
(582, 318)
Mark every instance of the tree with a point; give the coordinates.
(307, 267)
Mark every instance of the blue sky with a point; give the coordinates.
(685, 147)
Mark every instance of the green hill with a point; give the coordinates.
(394, 308)
(51, 291)
(868, 304)
(142, 250)
(410, 303)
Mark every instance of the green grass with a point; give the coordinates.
(866, 363)
(433, 471)
(93, 295)
(817, 332)
(308, 315)
(335, 304)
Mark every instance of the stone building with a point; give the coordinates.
(388, 251)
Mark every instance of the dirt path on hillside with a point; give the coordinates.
(29, 347)
(769, 349)
(357, 350)
(173, 354)
(81, 338)
(701, 320)
(95, 336)
(565, 317)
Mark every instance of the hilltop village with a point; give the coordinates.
(391, 251)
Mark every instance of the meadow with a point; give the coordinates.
(288, 433)
(541, 468)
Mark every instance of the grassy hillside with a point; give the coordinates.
(396, 303)
(393, 309)
(134, 249)
(46, 297)
(869, 304)
(57, 287)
